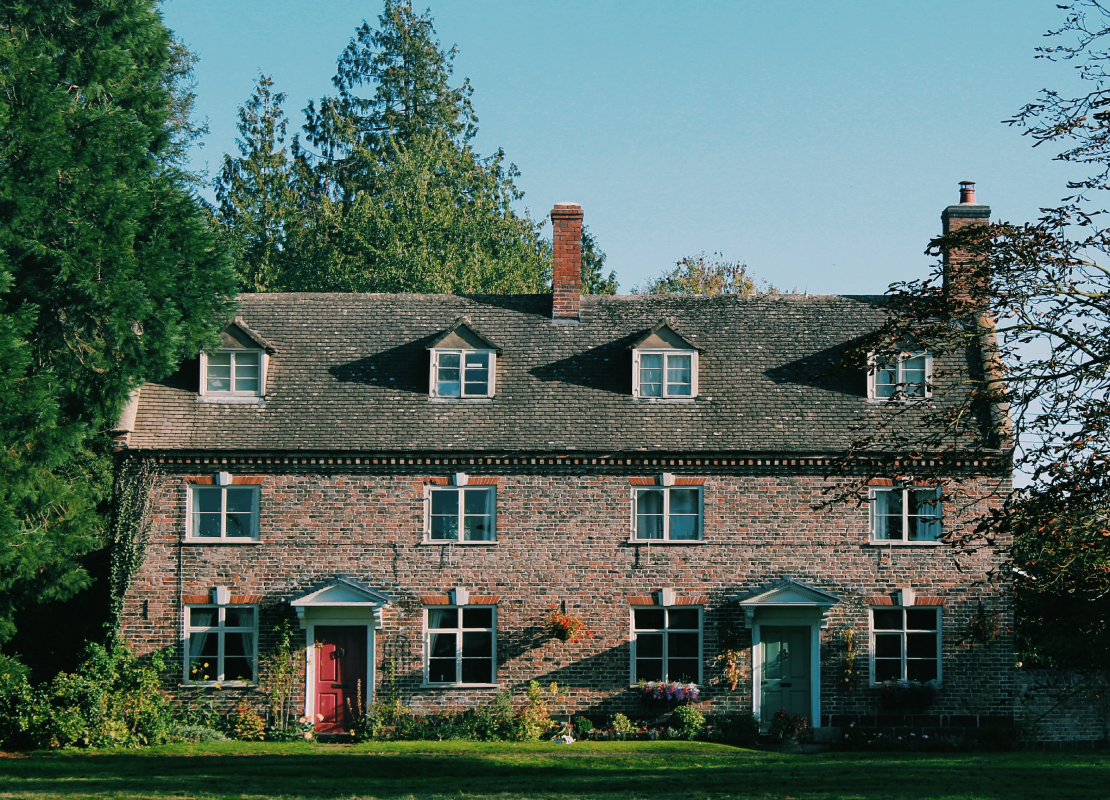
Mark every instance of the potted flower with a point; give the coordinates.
(787, 728)
(567, 628)
(668, 692)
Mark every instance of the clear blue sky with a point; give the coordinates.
(816, 141)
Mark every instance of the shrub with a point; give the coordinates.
(246, 724)
(622, 726)
(534, 721)
(304, 729)
(688, 721)
(582, 727)
(739, 729)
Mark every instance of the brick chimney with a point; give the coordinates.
(566, 282)
(958, 265)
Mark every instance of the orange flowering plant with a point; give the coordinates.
(567, 628)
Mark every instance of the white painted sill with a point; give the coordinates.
(236, 541)
(221, 684)
(460, 686)
(666, 542)
(904, 543)
(232, 399)
(449, 542)
(460, 399)
(651, 400)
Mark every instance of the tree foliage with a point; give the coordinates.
(705, 274)
(109, 270)
(594, 281)
(388, 194)
(1028, 312)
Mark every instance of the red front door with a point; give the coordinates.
(340, 676)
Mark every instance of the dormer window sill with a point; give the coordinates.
(665, 400)
(232, 399)
(460, 399)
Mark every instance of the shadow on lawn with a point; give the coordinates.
(311, 775)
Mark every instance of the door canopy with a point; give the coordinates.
(342, 592)
(787, 592)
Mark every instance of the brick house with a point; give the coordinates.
(419, 480)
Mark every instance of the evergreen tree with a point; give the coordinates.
(593, 261)
(393, 197)
(109, 269)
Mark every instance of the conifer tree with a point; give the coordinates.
(110, 271)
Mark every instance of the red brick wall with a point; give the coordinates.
(564, 537)
(566, 220)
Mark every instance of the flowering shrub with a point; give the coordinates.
(907, 695)
(246, 724)
(785, 725)
(304, 729)
(668, 692)
(689, 721)
(567, 628)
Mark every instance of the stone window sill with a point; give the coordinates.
(450, 542)
(897, 543)
(666, 542)
(236, 542)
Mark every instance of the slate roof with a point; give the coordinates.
(350, 373)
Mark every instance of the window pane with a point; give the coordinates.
(478, 529)
(477, 670)
(203, 649)
(202, 617)
(443, 617)
(219, 372)
(448, 378)
(238, 665)
(888, 645)
(477, 374)
(206, 498)
(684, 514)
(445, 501)
(921, 670)
(240, 499)
(478, 501)
(885, 379)
(246, 384)
(684, 528)
(887, 510)
(649, 645)
(445, 528)
(441, 670)
(684, 670)
(449, 361)
(206, 525)
(239, 525)
(651, 375)
(649, 514)
(649, 669)
(684, 501)
(888, 669)
(913, 375)
(678, 375)
(921, 619)
(239, 617)
(683, 645)
(651, 618)
(219, 360)
(477, 618)
(887, 619)
(921, 645)
(477, 644)
(442, 645)
(683, 618)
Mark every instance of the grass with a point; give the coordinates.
(610, 770)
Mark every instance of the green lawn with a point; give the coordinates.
(423, 770)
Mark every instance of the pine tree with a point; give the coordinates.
(109, 268)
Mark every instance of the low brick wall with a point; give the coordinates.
(1056, 707)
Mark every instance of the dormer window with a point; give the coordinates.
(463, 364)
(236, 372)
(664, 365)
(907, 377)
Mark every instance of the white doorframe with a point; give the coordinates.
(791, 618)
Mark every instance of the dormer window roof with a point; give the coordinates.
(664, 365)
(462, 364)
(237, 369)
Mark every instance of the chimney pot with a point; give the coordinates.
(960, 270)
(967, 192)
(566, 278)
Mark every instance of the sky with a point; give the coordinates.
(817, 142)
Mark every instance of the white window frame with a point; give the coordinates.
(429, 490)
(665, 352)
(191, 489)
(939, 631)
(905, 489)
(219, 631)
(633, 633)
(873, 375)
(263, 369)
(637, 490)
(459, 630)
(433, 375)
